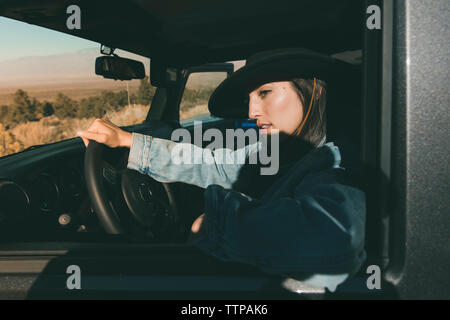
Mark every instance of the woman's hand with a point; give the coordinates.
(197, 224)
(106, 132)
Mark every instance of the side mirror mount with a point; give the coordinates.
(117, 68)
(106, 50)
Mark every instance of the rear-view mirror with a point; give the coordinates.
(117, 68)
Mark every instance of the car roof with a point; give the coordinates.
(191, 32)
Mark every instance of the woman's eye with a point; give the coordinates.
(263, 93)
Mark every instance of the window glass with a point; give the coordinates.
(49, 89)
(199, 87)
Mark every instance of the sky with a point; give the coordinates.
(19, 39)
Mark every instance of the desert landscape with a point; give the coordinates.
(52, 129)
(76, 90)
(47, 99)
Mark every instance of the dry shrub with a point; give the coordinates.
(194, 111)
(52, 129)
(39, 132)
(129, 115)
(8, 142)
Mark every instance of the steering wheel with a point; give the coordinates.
(125, 200)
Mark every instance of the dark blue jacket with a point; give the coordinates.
(309, 220)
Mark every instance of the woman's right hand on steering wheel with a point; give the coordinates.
(106, 132)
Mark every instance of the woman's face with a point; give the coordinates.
(276, 105)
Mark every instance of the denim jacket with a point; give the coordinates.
(309, 224)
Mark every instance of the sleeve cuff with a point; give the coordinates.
(140, 151)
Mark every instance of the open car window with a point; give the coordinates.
(49, 89)
(198, 89)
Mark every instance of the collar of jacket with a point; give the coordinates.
(294, 150)
(290, 174)
(295, 162)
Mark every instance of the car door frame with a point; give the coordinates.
(418, 224)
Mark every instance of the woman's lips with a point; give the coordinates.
(265, 128)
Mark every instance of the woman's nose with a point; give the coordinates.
(253, 109)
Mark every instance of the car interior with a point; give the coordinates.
(63, 193)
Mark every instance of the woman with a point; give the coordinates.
(306, 221)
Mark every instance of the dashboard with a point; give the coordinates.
(43, 194)
(47, 200)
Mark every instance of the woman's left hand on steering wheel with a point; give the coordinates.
(106, 132)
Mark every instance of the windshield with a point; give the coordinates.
(49, 90)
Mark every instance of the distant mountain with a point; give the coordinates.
(59, 68)
(76, 67)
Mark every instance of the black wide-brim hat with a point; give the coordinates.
(230, 99)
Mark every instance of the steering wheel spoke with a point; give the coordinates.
(110, 174)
